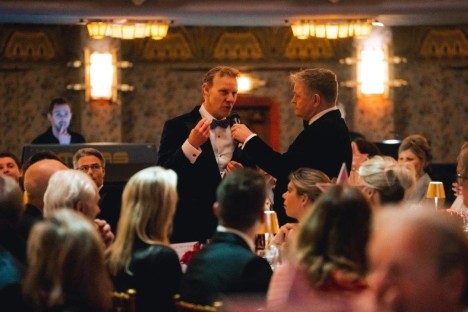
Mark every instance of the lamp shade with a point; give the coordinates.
(435, 190)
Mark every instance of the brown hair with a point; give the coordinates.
(334, 234)
(419, 145)
(66, 265)
(221, 71)
(319, 80)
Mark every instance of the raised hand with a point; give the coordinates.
(200, 133)
(240, 132)
(64, 137)
(232, 165)
(105, 231)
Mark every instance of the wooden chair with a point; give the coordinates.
(184, 306)
(124, 301)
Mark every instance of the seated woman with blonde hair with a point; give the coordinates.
(385, 180)
(301, 193)
(328, 256)
(66, 269)
(140, 257)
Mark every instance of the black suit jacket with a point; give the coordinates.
(223, 268)
(155, 275)
(48, 138)
(323, 145)
(110, 203)
(194, 219)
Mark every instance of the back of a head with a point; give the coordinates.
(241, 198)
(334, 234)
(388, 177)
(34, 159)
(442, 232)
(66, 188)
(66, 264)
(320, 80)
(148, 204)
(36, 179)
(306, 179)
(11, 202)
(366, 147)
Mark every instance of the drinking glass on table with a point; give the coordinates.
(264, 247)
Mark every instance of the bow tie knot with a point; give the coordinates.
(224, 123)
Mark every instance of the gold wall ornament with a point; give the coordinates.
(238, 46)
(29, 45)
(440, 43)
(174, 48)
(315, 48)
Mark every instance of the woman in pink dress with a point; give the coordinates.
(327, 264)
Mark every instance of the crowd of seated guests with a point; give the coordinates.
(56, 256)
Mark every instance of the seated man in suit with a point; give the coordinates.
(91, 161)
(228, 266)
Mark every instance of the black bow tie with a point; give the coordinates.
(219, 123)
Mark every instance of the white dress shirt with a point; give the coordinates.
(221, 142)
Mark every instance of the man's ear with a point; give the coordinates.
(216, 210)
(49, 117)
(205, 88)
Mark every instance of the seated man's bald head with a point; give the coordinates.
(36, 179)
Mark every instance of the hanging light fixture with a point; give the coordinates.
(332, 29)
(125, 29)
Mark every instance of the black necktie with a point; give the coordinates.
(219, 123)
(305, 123)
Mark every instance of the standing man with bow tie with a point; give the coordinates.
(198, 145)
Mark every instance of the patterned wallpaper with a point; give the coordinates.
(433, 104)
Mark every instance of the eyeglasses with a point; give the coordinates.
(93, 167)
(461, 179)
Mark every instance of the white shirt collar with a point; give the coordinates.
(205, 114)
(316, 117)
(247, 239)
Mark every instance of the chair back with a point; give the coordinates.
(124, 301)
(184, 306)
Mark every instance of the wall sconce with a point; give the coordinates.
(100, 75)
(372, 70)
(372, 66)
(247, 83)
(332, 29)
(125, 29)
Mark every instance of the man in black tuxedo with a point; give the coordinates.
(199, 147)
(324, 143)
(228, 266)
